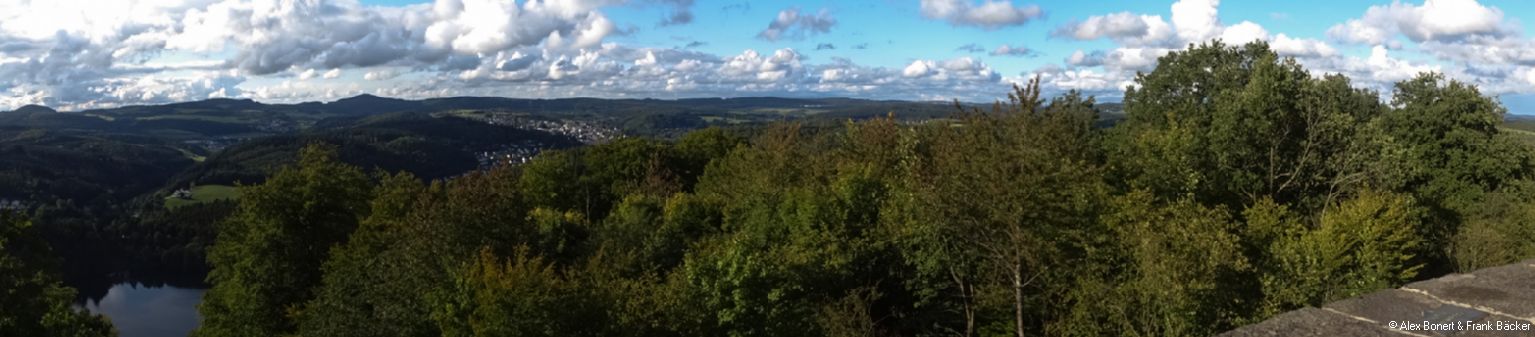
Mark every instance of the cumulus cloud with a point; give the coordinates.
(1124, 28)
(1480, 47)
(919, 68)
(380, 75)
(1435, 20)
(1084, 59)
(76, 54)
(1193, 21)
(1287, 46)
(1119, 59)
(63, 51)
(618, 71)
(962, 68)
(1143, 38)
(1086, 80)
(1485, 50)
(1196, 19)
(792, 24)
(989, 14)
(1243, 33)
(1008, 50)
(96, 54)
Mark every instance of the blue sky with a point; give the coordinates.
(79, 54)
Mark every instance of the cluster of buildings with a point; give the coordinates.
(515, 154)
(586, 132)
(12, 205)
(214, 144)
(277, 126)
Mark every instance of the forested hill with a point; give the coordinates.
(1201, 210)
(429, 147)
(1231, 185)
(243, 118)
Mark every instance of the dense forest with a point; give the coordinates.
(1236, 186)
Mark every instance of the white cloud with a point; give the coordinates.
(1485, 50)
(1124, 27)
(65, 51)
(1476, 43)
(919, 68)
(1142, 39)
(1193, 21)
(1435, 20)
(1086, 80)
(1083, 59)
(93, 54)
(990, 14)
(1287, 46)
(1243, 33)
(380, 75)
(790, 23)
(772, 68)
(1009, 50)
(1384, 68)
(1196, 20)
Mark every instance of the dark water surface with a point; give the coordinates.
(149, 311)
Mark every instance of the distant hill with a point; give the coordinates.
(41, 165)
(222, 141)
(34, 109)
(429, 147)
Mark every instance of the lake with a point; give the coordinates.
(144, 311)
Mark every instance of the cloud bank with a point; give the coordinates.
(77, 54)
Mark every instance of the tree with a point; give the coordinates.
(1170, 269)
(373, 283)
(267, 256)
(1357, 246)
(1231, 125)
(1000, 201)
(1453, 154)
(522, 296)
(1495, 231)
(32, 300)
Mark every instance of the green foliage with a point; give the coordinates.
(372, 283)
(1496, 230)
(32, 301)
(1360, 245)
(1236, 187)
(267, 257)
(1231, 125)
(523, 296)
(1172, 270)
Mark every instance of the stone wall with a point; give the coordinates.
(1498, 301)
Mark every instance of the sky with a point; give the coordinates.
(81, 54)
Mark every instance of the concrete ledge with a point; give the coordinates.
(1310, 322)
(1497, 301)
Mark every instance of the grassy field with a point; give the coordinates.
(205, 193)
